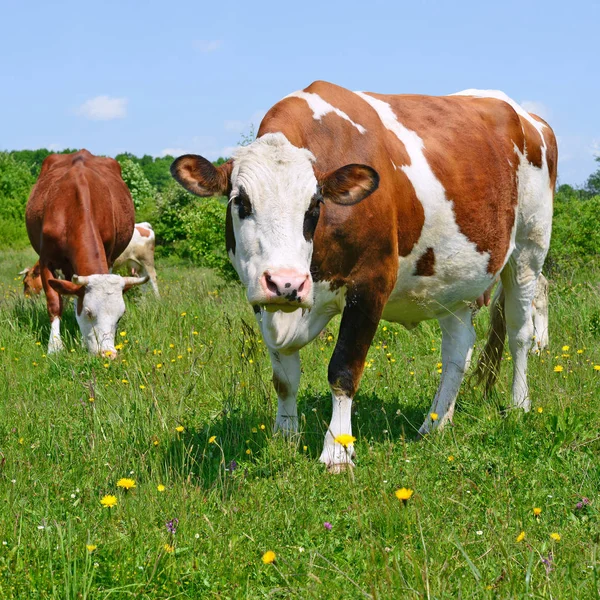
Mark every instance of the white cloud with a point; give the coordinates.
(239, 126)
(103, 108)
(537, 108)
(207, 46)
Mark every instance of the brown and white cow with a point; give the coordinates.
(138, 257)
(80, 217)
(401, 207)
(32, 280)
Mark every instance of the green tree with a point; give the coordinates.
(142, 192)
(592, 185)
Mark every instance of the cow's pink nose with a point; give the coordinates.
(286, 284)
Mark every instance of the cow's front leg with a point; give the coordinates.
(358, 326)
(458, 338)
(286, 378)
(54, 304)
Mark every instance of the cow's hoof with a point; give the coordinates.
(55, 346)
(340, 468)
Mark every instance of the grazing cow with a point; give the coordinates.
(80, 217)
(401, 207)
(32, 280)
(138, 257)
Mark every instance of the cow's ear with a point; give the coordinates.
(66, 288)
(201, 177)
(349, 185)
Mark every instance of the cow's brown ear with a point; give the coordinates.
(349, 185)
(201, 177)
(66, 288)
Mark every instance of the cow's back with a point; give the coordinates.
(80, 204)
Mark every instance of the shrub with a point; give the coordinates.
(204, 226)
(16, 181)
(575, 233)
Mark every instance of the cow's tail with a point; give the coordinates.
(488, 366)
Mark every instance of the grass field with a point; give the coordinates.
(192, 367)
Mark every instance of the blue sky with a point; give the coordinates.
(190, 76)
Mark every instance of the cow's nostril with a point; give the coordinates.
(301, 286)
(272, 286)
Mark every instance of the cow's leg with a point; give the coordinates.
(54, 304)
(458, 338)
(286, 379)
(540, 314)
(358, 326)
(519, 281)
(151, 271)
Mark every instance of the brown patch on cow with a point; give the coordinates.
(551, 150)
(533, 143)
(425, 266)
(143, 231)
(281, 387)
(469, 145)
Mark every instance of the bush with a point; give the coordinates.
(204, 226)
(16, 181)
(575, 232)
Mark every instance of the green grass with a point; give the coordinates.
(71, 427)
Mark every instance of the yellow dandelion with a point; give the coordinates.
(124, 381)
(90, 547)
(183, 314)
(434, 416)
(180, 429)
(344, 439)
(521, 537)
(169, 548)
(212, 439)
(579, 351)
(558, 369)
(248, 451)
(596, 367)
(537, 511)
(450, 458)
(126, 483)
(404, 494)
(160, 487)
(268, 557)
(304, 448)
(90, 399)
(171, 345)
(159, 366)
(565, 348)
(109, 501)
(142, 387)
(262, 427)
(155, 442)
(555, 537)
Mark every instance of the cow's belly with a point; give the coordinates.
(456, 278)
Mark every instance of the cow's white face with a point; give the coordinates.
(274, 204)
(275, 199)
(99, 306)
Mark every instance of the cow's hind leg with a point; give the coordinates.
(54, 304)
(519, 281)
(286, 379)
(540, 314)
(458, 338)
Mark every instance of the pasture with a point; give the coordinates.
(186, 412)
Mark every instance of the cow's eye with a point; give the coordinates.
(311, 217)
(243, 204)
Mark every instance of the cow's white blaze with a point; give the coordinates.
(103, 306)
(320, 108)
(280, 182)
(460, 270)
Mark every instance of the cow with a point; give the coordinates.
(395, 207)
(138, 257)
(79, 218)
(32, 280)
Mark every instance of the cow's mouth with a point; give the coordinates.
(282, 306)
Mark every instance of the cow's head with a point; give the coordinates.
(275, 197)
(99, 306)
(32, 280)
